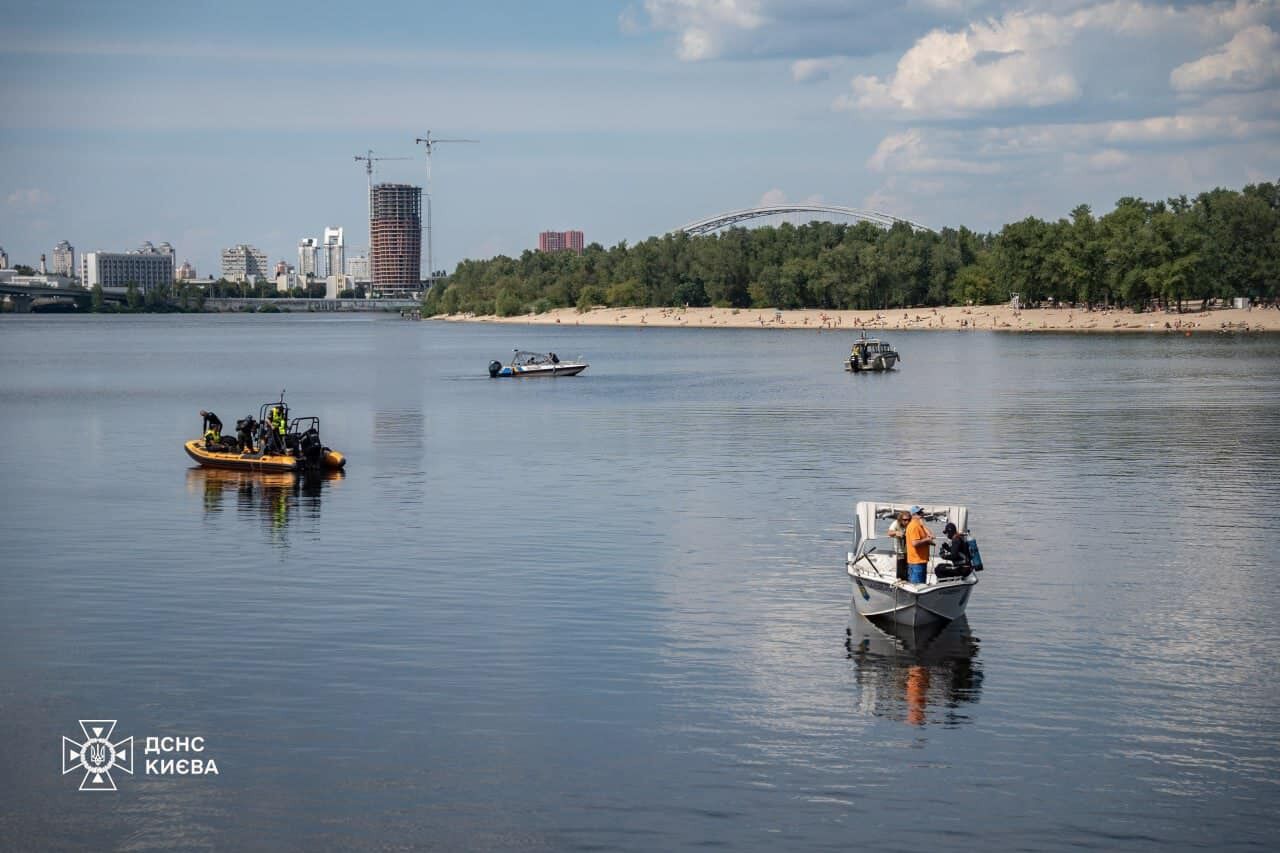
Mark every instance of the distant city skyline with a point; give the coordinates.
(162, 124)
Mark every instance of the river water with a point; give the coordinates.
(610, 612)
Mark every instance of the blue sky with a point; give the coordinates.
(213, 124)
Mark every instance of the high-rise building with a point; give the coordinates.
(242, 261)
(186, 272)
(358, 269)
(560, 241)
(334, 252)
(4, 260)
(64, 259)
(395, 236)
(307, 258)
(146, 267)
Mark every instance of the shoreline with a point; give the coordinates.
(999, 318)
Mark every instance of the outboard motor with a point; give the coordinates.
(494, 368)
(310, 448)
(975, 559)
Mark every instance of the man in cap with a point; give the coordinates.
(919, 541)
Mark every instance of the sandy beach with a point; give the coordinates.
(974, 318)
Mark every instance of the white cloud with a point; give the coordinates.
(1011, 62)
(811, 70)
(1250, 60)
(911, 152)
(31, 198)
(1027, 59)
(702, 26)
(776, 197)
(772, 198)
(1106, 160)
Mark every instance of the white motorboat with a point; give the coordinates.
(881, 591)
(528, 364)
(871, 355)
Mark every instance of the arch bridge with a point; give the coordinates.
(734, 217)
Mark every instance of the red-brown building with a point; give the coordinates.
(395, 231)
(560, 241)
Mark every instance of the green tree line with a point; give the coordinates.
(1221, 244)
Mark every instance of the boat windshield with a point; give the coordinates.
(880, 544)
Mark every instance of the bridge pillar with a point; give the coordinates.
(21, 303)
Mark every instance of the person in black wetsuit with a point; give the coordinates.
(955, 548)
(211, 426)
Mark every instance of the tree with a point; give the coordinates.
(132, 297)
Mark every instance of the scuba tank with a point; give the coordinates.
(975, 559)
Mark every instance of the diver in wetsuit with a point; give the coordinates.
(211, 426)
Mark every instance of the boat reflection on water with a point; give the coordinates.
(275, 498)
(916, 675)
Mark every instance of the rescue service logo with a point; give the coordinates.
(97, 756)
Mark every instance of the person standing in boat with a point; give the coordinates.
(898, 530)
(919, 541)
(278, 426)
(211, 426)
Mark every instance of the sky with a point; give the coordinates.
(209, 125)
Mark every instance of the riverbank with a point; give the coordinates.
(982, 317)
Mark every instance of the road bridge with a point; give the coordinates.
(720, 221)
(25, 295)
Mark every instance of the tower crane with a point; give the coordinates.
(369, 160)
(429, 143)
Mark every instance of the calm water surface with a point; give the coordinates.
(610, 612)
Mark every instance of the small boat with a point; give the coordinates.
(525, 363)
(880, 592)
(300, 449)
(871, 354)
(222, 456)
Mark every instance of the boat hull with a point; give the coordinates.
(879, 364)
(530, 372)
(238, 461)
(911, 604)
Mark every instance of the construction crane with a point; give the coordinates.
(430, 144)
(369, 160)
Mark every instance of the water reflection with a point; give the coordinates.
(274, 498)
(915, 675)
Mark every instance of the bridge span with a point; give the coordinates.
(733, 217)
(23, 295)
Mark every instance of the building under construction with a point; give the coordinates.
(395, 235)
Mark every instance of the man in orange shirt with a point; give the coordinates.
(919, 541)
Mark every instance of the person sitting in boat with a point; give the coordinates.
(954, 546)
(555, 359)
(956, 549)
(211, 425)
